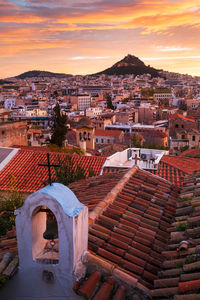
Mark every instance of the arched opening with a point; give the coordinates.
(45, 240)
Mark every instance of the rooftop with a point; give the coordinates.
(147, 159)
(179, 277)
(179, 116)
(129, 216)
(29, 177)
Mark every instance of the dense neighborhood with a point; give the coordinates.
(115, 158)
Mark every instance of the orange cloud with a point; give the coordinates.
(40, 30)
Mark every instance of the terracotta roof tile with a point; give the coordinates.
(90, 285)
(193, 285)
(30, 177)
(181, 260)
(120, 293)
(105, 290)
(179, 116)
(137, 227)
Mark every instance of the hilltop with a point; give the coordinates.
(37, 73)
(130, 64)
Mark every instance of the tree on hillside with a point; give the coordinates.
(109, 102)
(59, 128)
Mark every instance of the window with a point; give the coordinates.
(176, 126)
(108, 141)
(183, 136)
(182, 126)
(85, 135)
(193, 137)
(102, 141)
(96, 140)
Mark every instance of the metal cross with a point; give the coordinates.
(49, 167)
(136, 159)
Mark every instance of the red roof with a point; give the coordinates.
(179, 116)
(195, 153)
(132, 231)
(33, 130)
(182, 163)
(174, 168)
(90, 192)
(180, 273)
(24, 173)
(32, 148)
(99, 132)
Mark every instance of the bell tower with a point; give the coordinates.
(52, 234)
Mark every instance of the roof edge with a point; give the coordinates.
(110, 197)
(113, 270)
(9, 157)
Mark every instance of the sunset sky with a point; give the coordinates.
(87, 36)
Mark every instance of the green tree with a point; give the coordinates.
(8, 203)
(59, 128)
(136, 141)
(68, 172)
(109, 102)
(147, 92)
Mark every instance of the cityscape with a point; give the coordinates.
(100, 150)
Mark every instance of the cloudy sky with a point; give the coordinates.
(86, 36)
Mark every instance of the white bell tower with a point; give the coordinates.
(48, 268)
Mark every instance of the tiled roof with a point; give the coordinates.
(170, 173)
(99, 132)
(179, 116)
(8, 254)
(33, 148)
(191, 153)
(132, 230)
(174, 168)
(93, 190)
(98, 286)
(33, 130)
(184, 164)
(180, 277)
(27, 176)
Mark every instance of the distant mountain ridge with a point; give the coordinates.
(130, 64)
(37, 73)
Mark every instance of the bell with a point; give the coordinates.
(51, 232)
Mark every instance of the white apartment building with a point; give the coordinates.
(81, 101)
(92, 112)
